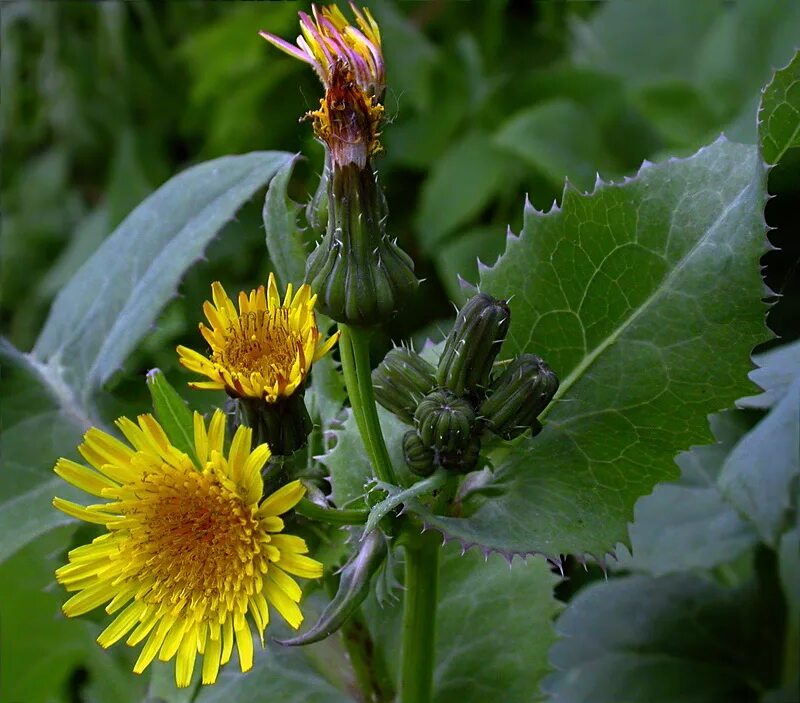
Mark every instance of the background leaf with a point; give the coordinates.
(644, 297)
(284, 239)
(99, 317)
(483, 606)
(691, 641)
(688, 524)
(762, 474)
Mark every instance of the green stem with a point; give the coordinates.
(331, 516)
(419, 618)
(354, 350)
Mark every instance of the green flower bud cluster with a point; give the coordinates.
(453, 406)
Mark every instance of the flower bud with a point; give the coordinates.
(462, 460)
(444, 421)
(317, 208)
(517, 396)
(360, 275)
(419, 458)
(401, 381)
(284, 425)
(473, 344)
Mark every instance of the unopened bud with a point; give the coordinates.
(359, 274)
(401, 381)
(284, 425)
(462, 460)
(419, 458)
(517, 396)
(444, 421)
(473, 344)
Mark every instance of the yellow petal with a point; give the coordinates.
(83, 477)
(216, 431)
(244, 644)
(283, 604)
(187, 654)
(122, 624)
(211, 658)
(283, 499)
(300, 565)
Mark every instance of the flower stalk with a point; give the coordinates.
(354, 350)
(419, 617)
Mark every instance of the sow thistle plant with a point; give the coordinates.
(519, 434)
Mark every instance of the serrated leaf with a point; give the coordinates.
(398, 497)
(645, 298)
(348, 463)
(676, 639)
(777, 370)
(484, 605)
(688, 524)
(779, 112)
(172, 413)
(761, 477)
(115, 297)
(284, 239)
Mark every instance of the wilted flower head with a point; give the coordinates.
(349, 62)
(191, 552)
(265, 349)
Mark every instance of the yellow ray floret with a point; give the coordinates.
(192, 554)
(264, 349)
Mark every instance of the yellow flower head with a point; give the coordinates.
(265, 349)
(349, 62)
(191, 549)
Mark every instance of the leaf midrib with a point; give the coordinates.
(588, 360)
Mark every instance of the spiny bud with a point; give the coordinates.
(444, 421)
(401, 380)
(462, 460)
(317, 208)
(419, 458)
(359, 274)
(473, 344)
(517, 396)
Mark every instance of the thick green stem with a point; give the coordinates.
(332, 516)
(354, 350)
(419, 618)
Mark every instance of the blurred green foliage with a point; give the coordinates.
(487, 103)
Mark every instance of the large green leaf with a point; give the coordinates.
(779, 113)
(115, 297)
(645, 297)
(676, 639)
(688, 524)
(494, 628)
